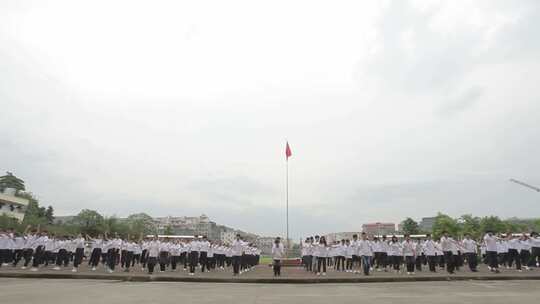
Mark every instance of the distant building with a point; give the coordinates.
(189, 225)
(426, 224)
(379, 228)
(338, 236)
(11, 205)
(265, 244)
(227, 237)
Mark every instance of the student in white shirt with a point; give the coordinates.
(204, 247)
(491, 251)
(349, 251)
(79, 244)
(340, 251)
(153, 252)
(430, 250)
(514, 248)
(278, 253)
(321, 253)
(409, 252)
(447, 246)
(194, 247)
(535, 250)
(395, 253)
(97, 245)
(365, 252)
(502, 251)
(525, 253)
(237, 251)
(470, 249)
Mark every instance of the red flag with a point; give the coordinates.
(288, 152)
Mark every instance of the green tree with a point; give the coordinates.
(444, 222)
(168, 230)
(492, 223)
(141, 223)
(34, 215)
(11, 181)
(7, 222)
(89, 221)
(409, 226)
(113, 226)
(49, 215)
(471, 225)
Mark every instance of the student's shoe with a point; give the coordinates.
(318, 273)
(408, 273)
(33, 269)
(5, 264)
(56, 268)
(93, 268)
(110, 270)
(23, 268)
(519, 270)
(324, 274)
(74, 269)
(413, 273)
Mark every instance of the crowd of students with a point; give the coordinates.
(38, 249)
(367, 254)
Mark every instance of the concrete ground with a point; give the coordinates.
(263, 274)
(111, 292)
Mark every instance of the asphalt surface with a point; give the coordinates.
(111, 292)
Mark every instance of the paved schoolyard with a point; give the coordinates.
(114, 292)
(263, 272)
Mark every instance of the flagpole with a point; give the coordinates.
(287, 188)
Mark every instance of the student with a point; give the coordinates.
(377, 252)
(525, 253)
(340, 252)
(430, 250)
(535, 250)
(175, 254)
(153, 248)
(79, 244)
(194, 247)
(447, 246)
(514, 248)
(395, 253)
(384, 254)
(48, 255)
(204, 247)
(409, 252)
(237, 250)
(365, 252)
(278, 253)
(321, 253)
(164, 249)
(18, 247)
(490, 242)
(348, 255)
(95, 255)
(355, 259)
(420, 255)
(470, 251)
(130, 247)
(502, 252)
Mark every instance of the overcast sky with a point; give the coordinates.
(392, 108)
